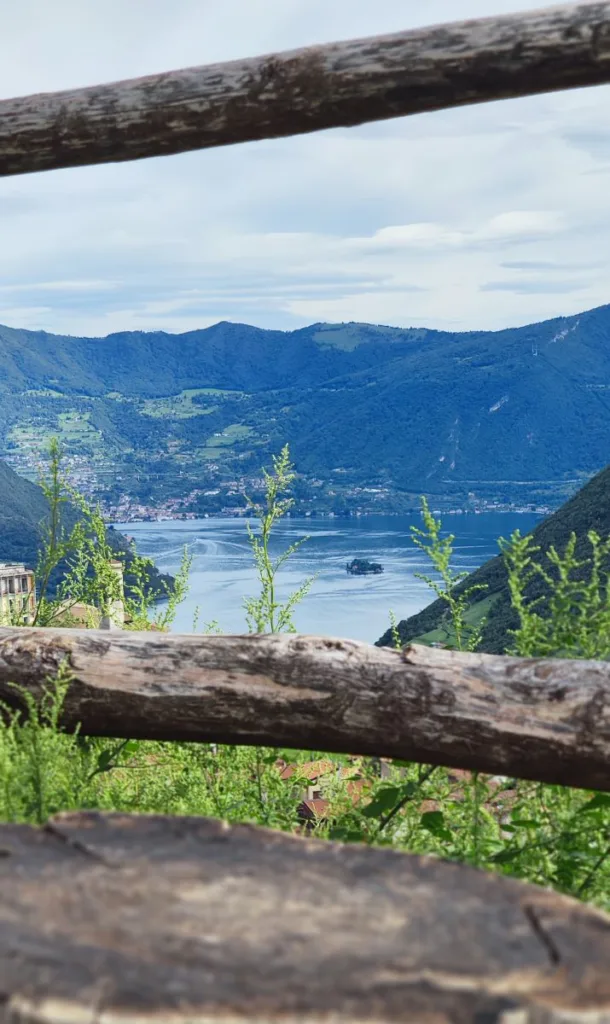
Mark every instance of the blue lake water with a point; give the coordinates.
(338, 604)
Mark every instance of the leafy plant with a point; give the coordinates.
(265, 614)
(40, 771)
(140, 600)
(439, 550)
(81, 548)
(58, 542)
(396, 641)
(563, 602)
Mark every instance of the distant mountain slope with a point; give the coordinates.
(423, 411)
(232, 356)
(587, 510)
(23, 508)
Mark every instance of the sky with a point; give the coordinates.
(477, 218)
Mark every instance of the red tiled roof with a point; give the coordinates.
(313, 770)
(311, 809)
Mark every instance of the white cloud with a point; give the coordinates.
(479, 217)
(59, 286)
(522, 224)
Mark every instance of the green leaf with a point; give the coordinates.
(434, 822)
(346, 835)
(596, 803)
(104, 761)
(383, 801)
(505, 856)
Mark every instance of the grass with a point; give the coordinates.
(74, 429)
(349, 337)
(229, 436)
(217, 445)
(181, 406)
(474, 616)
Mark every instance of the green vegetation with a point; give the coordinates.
(74, 429)
(234, 432)
(465, 628)
(474, 619)
(571, 618)
(77, 433)
(179, 406)
(264, 613)
(27, 516)
(588, 512)
(546, 834)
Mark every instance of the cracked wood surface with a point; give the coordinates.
(547, 720)
(339, 84)
(116, 919)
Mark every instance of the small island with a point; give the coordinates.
(362, 567)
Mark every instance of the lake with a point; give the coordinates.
(357, 607)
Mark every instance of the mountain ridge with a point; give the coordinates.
(411, 409)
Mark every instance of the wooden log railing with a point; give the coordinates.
(116, 919)
(339, 84)
(542, 720)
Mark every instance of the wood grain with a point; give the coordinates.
(282, 94)
(117, 920)
(547, 720)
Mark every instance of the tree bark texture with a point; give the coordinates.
(547, 720)
(338, 84)
(116, 919)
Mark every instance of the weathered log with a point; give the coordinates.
(534, 719)
(117, 918)
(300, 91)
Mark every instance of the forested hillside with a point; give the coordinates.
(587, 510)
(24, 508)
(411, 410)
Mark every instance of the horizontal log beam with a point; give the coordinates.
(339, 84)
(533, 719)
(154, 920)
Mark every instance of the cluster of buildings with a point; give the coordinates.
(339, 495)
(83, 473)
(17, 594)
(313, 784)
(18, 601)
(131, 510)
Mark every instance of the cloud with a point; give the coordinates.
(59, 286)
(539, 287)
(479, 217)
(522, 224)
(531, 265)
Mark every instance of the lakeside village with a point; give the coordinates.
(131, 510)
(223, 492)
